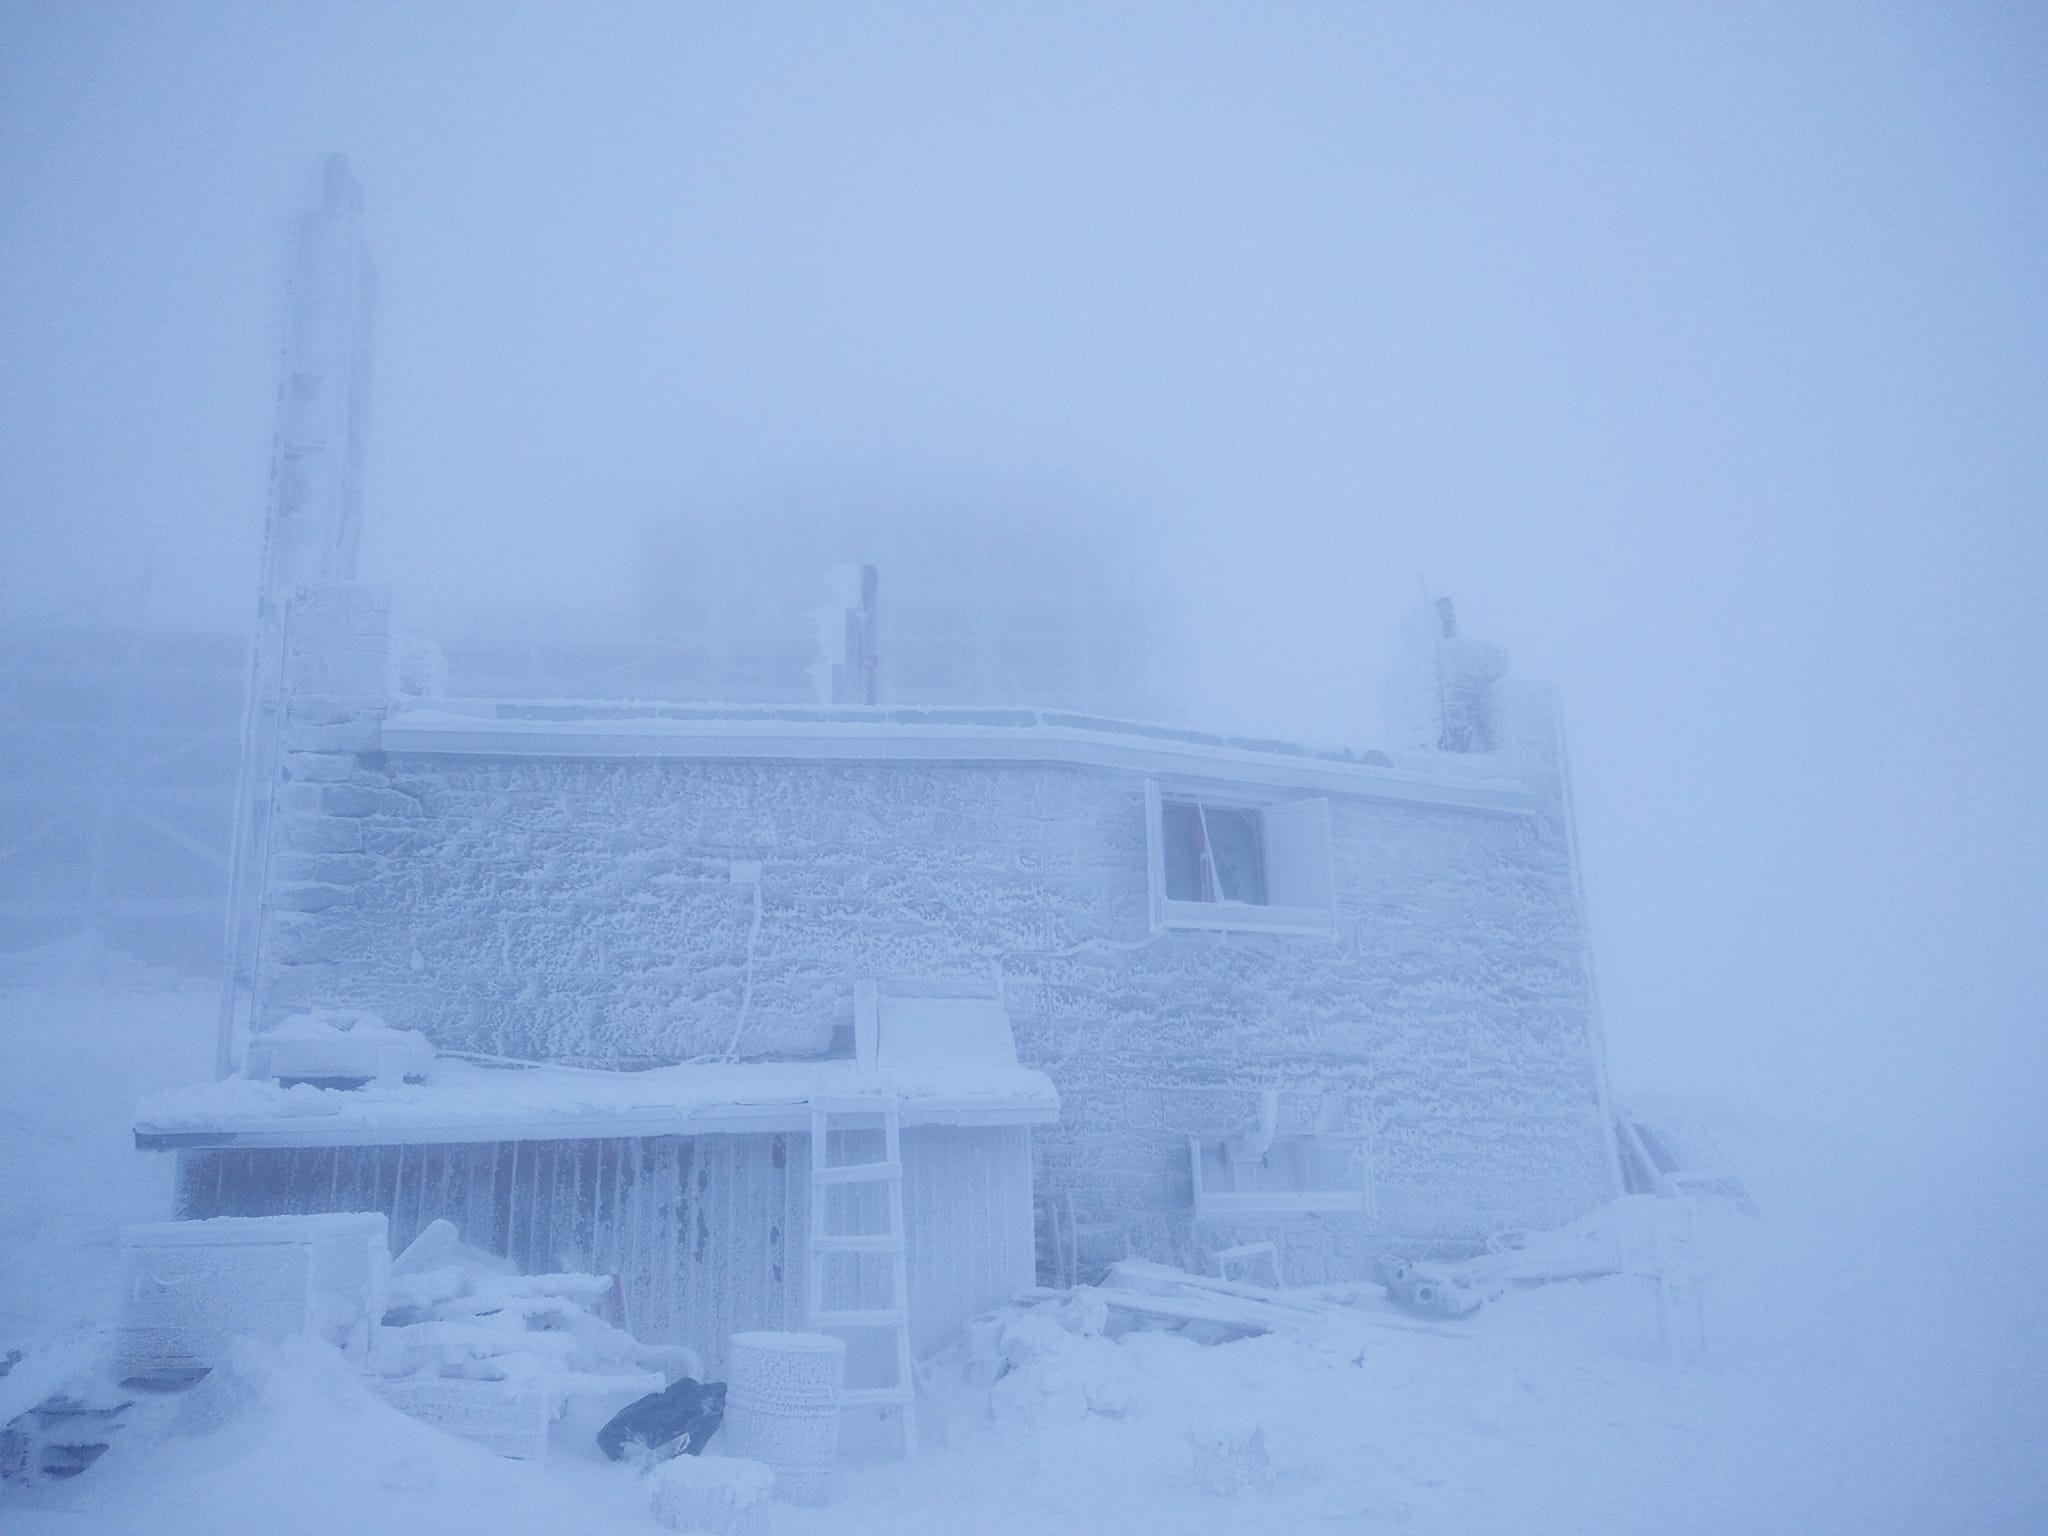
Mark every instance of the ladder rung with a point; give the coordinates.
(857, 1397)
(856, 1173)
(857, 1242)
(886, 1317)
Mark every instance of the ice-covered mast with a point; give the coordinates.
(1443, 695)
(310, 531)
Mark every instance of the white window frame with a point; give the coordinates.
(1237, 1203)
(1295, 844)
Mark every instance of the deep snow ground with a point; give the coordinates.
(1878, 1363)
(72, 1058)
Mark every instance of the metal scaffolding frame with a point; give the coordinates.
(117, 766)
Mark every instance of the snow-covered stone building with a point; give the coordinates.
(1131, 988)
(1341, 1003)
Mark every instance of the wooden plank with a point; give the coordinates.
(1143, 1274)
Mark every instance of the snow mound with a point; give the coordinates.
(717, 1495)
(290, 1437)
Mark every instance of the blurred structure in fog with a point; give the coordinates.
(992, 598)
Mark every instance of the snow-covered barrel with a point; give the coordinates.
(782, 1409)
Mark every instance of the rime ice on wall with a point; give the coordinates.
(582, 909)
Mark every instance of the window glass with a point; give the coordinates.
(1180, 834)
(1236, 857)
(1212, 853)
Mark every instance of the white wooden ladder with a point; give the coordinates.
(829, 1246)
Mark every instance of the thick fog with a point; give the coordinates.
(1699, 354)
(1696, 353)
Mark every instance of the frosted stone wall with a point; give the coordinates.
(584, 910)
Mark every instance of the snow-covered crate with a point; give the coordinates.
(338, 1048)
(188, 1287)
(509, 1417)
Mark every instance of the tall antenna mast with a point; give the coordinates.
(310, 533)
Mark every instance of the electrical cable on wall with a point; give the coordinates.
(747, 986)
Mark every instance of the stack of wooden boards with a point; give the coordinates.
(1643, 1235)
(446, 1333)
(1640, 1235)
(1159, 1295)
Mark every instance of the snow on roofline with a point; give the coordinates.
(467, 1102)
(570, 728)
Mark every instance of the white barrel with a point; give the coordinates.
(782, 1409)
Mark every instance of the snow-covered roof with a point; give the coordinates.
(612, 728)
(470, 1102)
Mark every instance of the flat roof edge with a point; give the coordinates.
(295, 1131)
(1026, 740)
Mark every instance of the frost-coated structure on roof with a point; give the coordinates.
(1125, 988)
(982, 594)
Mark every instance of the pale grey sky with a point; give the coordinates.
(1698, 351)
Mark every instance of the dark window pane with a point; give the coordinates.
(1180, 835)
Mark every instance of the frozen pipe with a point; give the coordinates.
(746, 872)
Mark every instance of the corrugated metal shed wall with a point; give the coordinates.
(707, 1233)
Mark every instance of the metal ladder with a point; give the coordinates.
(828, 1115)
